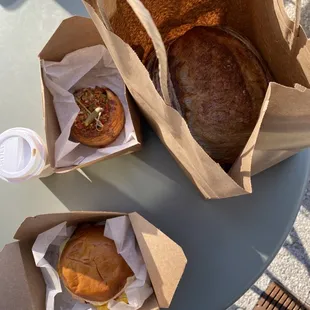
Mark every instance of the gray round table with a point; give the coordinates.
(228, 243)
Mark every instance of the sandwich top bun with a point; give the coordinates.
(90, 267)
(101, 118)
(218, 83)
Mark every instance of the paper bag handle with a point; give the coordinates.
(297, 21)
(145, 18)
(147, 21)
(104, 17)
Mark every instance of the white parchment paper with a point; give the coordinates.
(87, 67)
(119, 229)
(46, 255)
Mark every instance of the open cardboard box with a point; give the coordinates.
(72, 34)
(22, 285)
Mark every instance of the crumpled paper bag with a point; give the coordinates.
(86, 67)
(45, 251)
(133, 27)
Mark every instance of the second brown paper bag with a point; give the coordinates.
(283, 127)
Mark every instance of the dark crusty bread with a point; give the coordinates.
(220, 83)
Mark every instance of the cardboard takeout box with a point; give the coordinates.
(22, 285)
(73, 34)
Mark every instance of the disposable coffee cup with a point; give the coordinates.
(23, 155)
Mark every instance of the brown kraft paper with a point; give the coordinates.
(283, 127)
(165, 260)
(73, 34)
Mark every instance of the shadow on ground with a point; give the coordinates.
(294, 246)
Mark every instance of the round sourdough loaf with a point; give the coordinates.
(218, 83)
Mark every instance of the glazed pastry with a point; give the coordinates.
(101, 118)
(218, 82)
(90, 267)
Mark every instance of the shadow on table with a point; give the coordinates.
(146, 180)
(78, 193)
(157, 156)
(73, 6)
(151, 183)
(11, 5)
(297, 250)
(295, 247)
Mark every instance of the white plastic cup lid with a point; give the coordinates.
(22, 154)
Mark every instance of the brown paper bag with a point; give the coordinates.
(283, 127)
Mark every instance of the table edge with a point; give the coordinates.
(285, 235)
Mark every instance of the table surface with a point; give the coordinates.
(228, 243)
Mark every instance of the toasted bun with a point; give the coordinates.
(219, 83)
(90, 267)
(112, 117)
